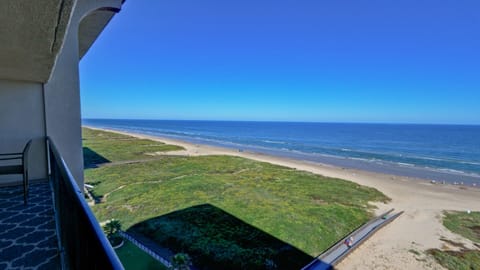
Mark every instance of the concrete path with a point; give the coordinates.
(339, 250)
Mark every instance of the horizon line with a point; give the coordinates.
(287, 121)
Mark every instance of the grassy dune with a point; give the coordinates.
(308, 211)
(102, 147)
(467, 225)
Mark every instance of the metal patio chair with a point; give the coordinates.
(17, 163)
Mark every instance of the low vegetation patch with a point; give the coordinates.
(102, 147)
(457, 260)
(467, 225)
(301, 210)
(463, 223)
(217, 239)
(134, 258)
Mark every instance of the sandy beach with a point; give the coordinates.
(396, 245)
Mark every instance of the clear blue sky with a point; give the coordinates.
(329, 61)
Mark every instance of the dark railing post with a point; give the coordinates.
(82, 243)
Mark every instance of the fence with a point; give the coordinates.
(146, 249)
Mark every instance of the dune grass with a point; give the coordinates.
(308, 211)
(467, 225)
(457, 260)
(114, 147)
(134, 258)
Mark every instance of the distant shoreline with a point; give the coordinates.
(423, 202)
(278, 158)
(376, 166)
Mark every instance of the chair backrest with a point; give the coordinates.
(25, 155)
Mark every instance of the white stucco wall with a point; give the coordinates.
(22, 119)
(62, 92)
(62, 99)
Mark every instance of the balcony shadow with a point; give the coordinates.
(215, 239)
(92, 159)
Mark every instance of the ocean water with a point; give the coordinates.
(448, 153)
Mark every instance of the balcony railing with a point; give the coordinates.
(82, 242)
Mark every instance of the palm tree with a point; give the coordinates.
(112, 227)
(181, 261)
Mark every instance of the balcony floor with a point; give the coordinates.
(27, 232)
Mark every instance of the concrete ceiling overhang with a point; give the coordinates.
(91, 27)
(32, 33)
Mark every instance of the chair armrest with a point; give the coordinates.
(12, 154)
(11, 158)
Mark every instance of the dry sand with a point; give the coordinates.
(396, 245)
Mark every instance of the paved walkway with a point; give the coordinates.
(339, 251)
(27, 232)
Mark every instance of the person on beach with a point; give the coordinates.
(349, 242)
